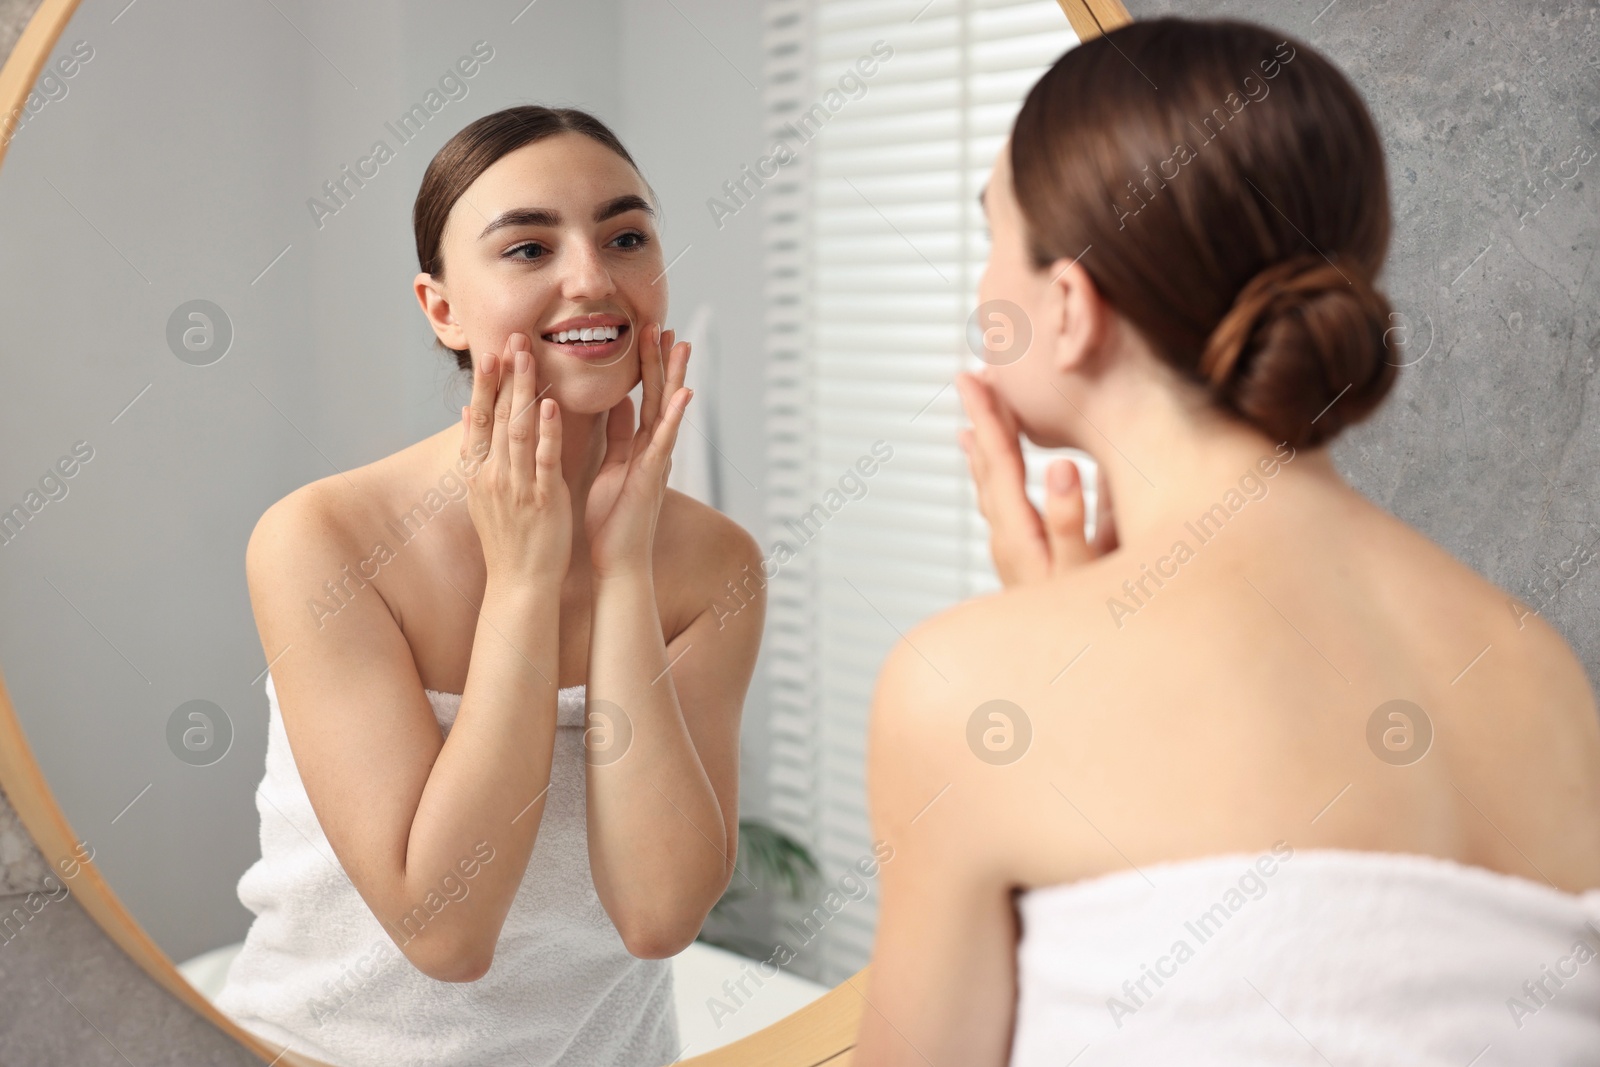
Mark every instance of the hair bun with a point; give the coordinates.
(1300, 354)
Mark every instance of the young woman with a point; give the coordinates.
(1274, 779)
(445, 878)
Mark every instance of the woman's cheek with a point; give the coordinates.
(648, 301)
(1018, 390)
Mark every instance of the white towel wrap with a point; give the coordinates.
(1315, 957)
(318, 972)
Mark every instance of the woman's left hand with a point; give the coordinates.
(625, 498)
(1026, 548)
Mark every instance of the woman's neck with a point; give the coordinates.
(1165, 465)
(583, 447)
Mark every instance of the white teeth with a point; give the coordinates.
(588, 333)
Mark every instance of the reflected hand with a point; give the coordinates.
(1026, 548)
(625, 498)
(511, 450)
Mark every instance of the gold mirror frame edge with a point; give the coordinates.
(823, 1032)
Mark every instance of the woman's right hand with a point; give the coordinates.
(511, 451)
(1027, 547)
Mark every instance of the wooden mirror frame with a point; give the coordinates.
(824, 1031)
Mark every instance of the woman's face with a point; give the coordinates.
(555, 237)
(1020, 321)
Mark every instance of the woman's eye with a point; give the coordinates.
(515, 253)
(633, 239)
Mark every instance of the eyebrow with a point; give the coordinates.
(542, 216)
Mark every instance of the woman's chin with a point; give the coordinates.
(1045, 436)
(592, 397)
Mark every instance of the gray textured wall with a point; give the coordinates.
(14, 16)
(1490, 443)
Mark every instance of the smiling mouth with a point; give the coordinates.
(586, 337)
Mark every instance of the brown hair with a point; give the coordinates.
(1244, 248)
(471, 152)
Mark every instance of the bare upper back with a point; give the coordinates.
(1246, 699)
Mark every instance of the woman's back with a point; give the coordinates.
(1246, 699)
(1261, 659)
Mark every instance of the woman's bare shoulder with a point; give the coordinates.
(703, 558)
(1422, 579)
(329, 515)
(315, 506)
(977, 657)
(995, 634)
(306, 560)
(296, 532)
(694, 533)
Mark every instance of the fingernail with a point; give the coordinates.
(1061, 476)
(522, 362)
(547, 409)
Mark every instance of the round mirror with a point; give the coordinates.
(208, 223)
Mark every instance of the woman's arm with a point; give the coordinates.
(663, 811)
(409, 816)
(942, 983)
(434, 834)
(943, 975)
(663, 786)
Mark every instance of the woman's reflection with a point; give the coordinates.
(457, 865)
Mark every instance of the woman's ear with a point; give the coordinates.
(1079, 318)
(436, 306)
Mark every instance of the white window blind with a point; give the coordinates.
(874, 244)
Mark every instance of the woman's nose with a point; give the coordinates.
(585, 273)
